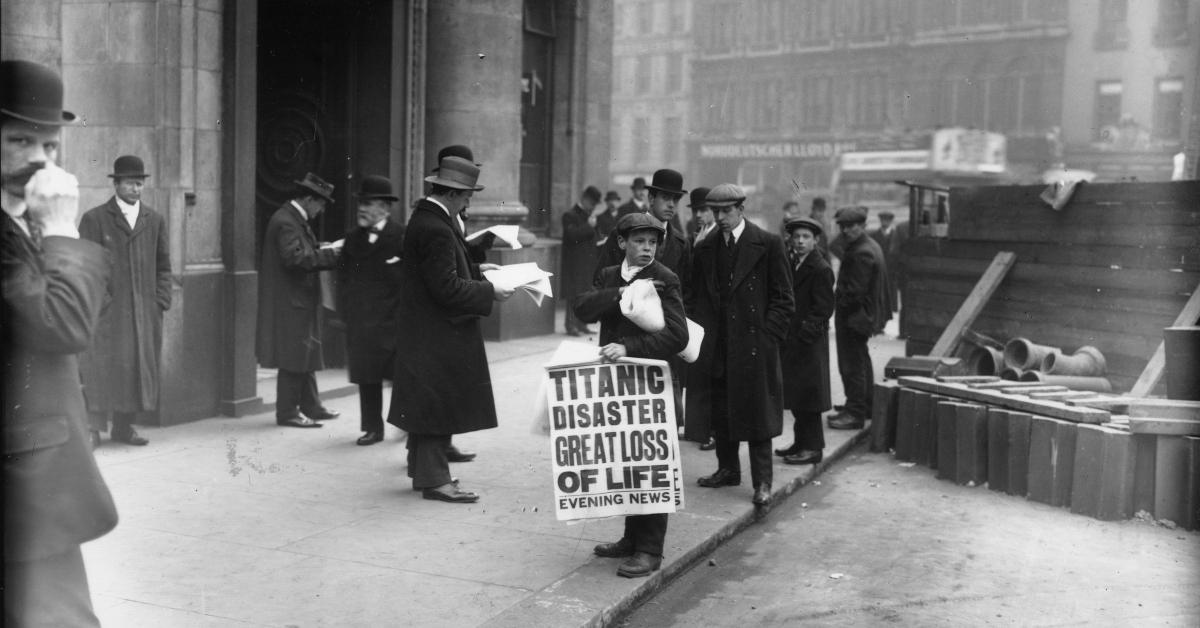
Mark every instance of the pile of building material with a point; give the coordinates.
(1100, 455)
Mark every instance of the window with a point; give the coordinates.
(1172, 26)
(1113, 11)
(814, 101)
(811, 22)
(868, 100)
(641, 136)
(674, 73)
(1108, 108)
(1113, 32)
(674, 140)
(646, 17)
(969, 102)
(629, 74)
(642, 85)
(1004, 98)
(1168, 109)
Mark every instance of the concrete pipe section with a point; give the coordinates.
(1074, 382)
(1085, 362)
(1022, 354)
(985, 361)
(1011, 374)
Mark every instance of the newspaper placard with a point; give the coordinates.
(615, 448)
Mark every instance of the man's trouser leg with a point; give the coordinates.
(851, 350)
(48, 593)
(427, 463)
(809, 435)
(287, 394)
(370, 407)
(727, 449)
(647, 532)
(310, 403)
(761, 471)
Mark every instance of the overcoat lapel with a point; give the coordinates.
(118, 218)
(750, 249)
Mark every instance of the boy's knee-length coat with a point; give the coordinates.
(806, 352)
(756, 322)
(442, 383)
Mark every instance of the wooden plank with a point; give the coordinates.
(974, 304)
(967, 379)
(1065, 395)
(1006, 383)
(1150, 377)
(1112, 404)
(1166, 427)
(1165, 408)
(1053, 409)
(1026, 390)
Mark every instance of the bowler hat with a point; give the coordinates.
(456, 173)
(638, 220)
(667, 181)
(725, 195)
(592, 192)
(886, 214)
(375, 186)
(128, 167)
(698, 199)
(638, 183)
(612, 195)
(803, 222)
(32, 92)
(315, 185)
(456, 150)
(850, 215)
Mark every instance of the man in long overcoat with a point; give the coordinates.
(289, 304)
(742, 296)
(121, 370)
(442, 385)
(53, 289)
(578, 254)
(890, 237)
(806, 350)
(368, 295)
(861, 312)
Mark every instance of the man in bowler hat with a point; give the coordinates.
(53, 289)
(742, 296)
(289, 304)
(637, 202)
(442, 384)
(121, 370)
(578, 254)
(607, 220)
(368, 295)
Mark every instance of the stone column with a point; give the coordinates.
(473, 97)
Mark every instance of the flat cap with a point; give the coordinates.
(632, 222)
(850, 215)
(803, 222)
(725, 195)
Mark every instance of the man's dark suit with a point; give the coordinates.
(368, 296)
(289, 310)
(862, 311)
(54, 496)
(603, 303)
(742, 297)
(442, 385)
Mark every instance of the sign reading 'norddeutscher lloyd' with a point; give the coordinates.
(762, 150)
(615, 445)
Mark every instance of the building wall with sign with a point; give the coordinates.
(1132, 87)
(867, 77)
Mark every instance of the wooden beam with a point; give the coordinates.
(1154, 368)
(974, 304)
(998, 399)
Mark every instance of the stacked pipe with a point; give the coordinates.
(1025, 360)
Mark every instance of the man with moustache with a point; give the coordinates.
(578, 254)
(702, 221)
(289, 304)
(742, 296)
(368, 295)
(442, 384)
(607, 220)
(121, 370)
(636, 203)
(54, 284)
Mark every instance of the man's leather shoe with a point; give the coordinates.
(790, 451)
(450, 493)
(804, 457)
(370, 438)
(846, 421)
(453, 454)
(324, 414)
(129, 436)
(621, 548)
(762, 494)
(723, 477)
(95, 434)
(639, 565)
(709, 444)
(297, 421)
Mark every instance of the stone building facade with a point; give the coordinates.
(228, 101)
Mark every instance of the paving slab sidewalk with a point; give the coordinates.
(237, 522)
